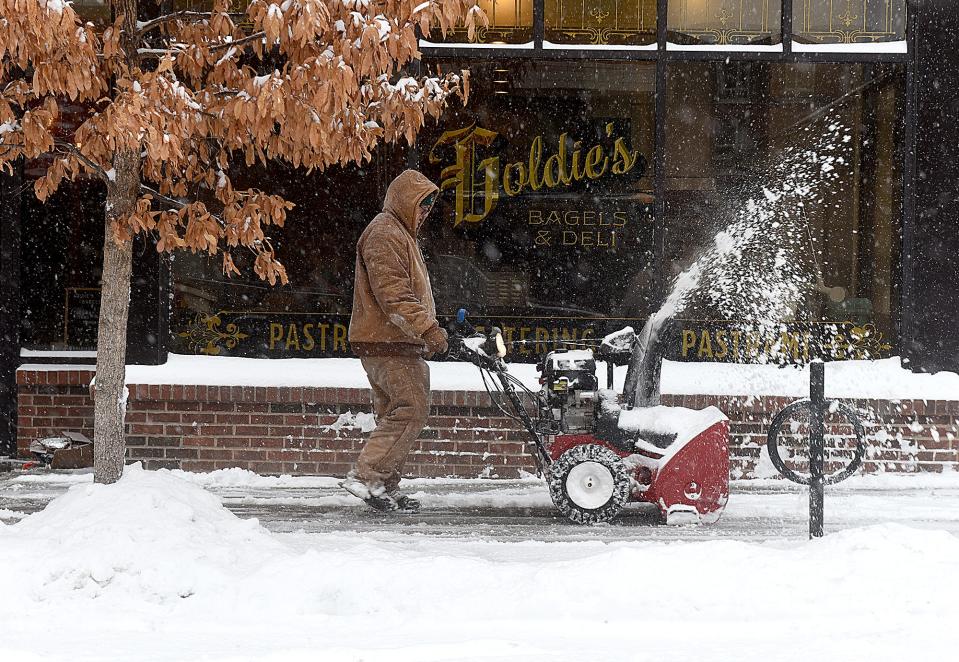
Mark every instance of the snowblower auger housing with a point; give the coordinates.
(596, 454)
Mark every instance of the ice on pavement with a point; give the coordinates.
(155, 568)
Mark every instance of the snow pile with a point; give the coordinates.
(684, 423)
(365, 422)
(151, 535)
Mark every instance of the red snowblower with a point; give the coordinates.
(600, 450)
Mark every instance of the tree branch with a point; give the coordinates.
(238, 42)
(147, 26)
(176, 203)
(159, 196)
(70, 147)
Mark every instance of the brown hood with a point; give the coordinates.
(405, 194)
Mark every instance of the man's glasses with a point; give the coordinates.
(428, 201)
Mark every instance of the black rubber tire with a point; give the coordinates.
(559, 470)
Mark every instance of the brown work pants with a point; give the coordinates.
(401, 402)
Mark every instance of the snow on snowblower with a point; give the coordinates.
(600, 450)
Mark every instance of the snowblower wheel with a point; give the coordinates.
(589, 484)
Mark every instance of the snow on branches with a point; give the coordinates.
(185, 95)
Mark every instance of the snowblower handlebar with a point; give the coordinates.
(485, 351)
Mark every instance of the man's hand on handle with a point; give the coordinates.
(435, 341)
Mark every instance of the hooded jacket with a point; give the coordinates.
(392, 298)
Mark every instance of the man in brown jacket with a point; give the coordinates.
(392, 330)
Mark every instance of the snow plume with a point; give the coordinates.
(762, 264)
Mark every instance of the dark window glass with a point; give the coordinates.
(544, 225)
(61, 257)
(243, 315)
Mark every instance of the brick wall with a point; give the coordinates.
(275, 430)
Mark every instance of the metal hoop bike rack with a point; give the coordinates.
(817, 406)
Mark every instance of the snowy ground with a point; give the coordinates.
(155, 568)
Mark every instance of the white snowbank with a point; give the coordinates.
(153, 535)
(153, 568)
(882, 379)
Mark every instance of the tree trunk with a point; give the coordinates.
(109, 444)
(110, 395)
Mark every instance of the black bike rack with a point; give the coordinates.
(817, 407)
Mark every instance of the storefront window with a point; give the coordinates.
(849, 21)
(510, 22)
(725, 22)
(806, 158)
(544, 226)
(61, 254)
(599, 23)
(244, 316)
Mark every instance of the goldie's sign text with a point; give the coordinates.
(478, 181)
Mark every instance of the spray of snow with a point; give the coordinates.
(759, 266)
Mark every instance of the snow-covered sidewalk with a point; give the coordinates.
(155, 568)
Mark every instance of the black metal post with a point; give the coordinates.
(815, 409)
(907, 293)
(786, 26)
(817, 447)
(659, 157)
(539, 20)
(10, 188)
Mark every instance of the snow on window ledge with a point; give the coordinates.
(549, 45)
(726, 48)
(877, 47)
(432, 44)
(57, 353)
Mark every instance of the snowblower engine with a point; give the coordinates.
(570, 382)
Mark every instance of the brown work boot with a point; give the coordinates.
(404, 502)
(376, 497)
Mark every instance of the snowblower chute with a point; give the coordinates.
(597, 453)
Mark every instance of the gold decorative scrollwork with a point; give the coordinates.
(724, 22)
(601, 22)
(598, 14)
(858, 341)
(849, 21)
(599, 36)
(205, 336)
